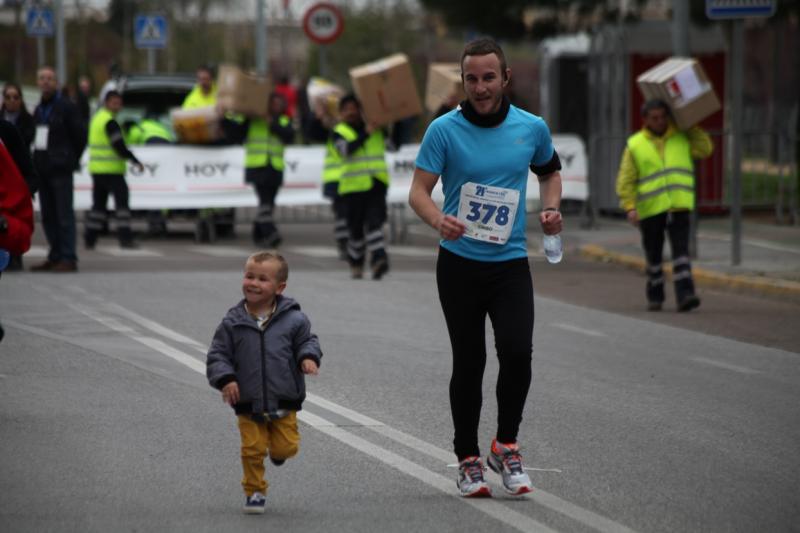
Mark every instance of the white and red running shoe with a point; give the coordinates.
(471, 483)
(506, 461)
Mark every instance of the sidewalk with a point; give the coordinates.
(770, 254)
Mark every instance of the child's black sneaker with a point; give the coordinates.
(255, 503)
(276, 462)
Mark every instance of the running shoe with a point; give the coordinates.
(506, 461)
(470, 482)
(255, 503)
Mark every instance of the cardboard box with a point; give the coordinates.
(386, 89)
(682, 83)
(444, 81)
(199, 125)
(242, 93)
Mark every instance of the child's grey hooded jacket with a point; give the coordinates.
(265, 364)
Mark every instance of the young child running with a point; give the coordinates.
(257, 359)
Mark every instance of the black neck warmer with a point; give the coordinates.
(486, 121)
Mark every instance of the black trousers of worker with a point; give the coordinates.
(103, 186)
(329, 190)
(266, 181)
(675, 224)
(366, 214)
(469, 291)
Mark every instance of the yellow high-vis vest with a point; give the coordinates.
(103, 159)
(367, 162)
(666, 184)
(262, 147)
(147, 129)
(196, 98)
(332, 166)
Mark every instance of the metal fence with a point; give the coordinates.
(769, 174)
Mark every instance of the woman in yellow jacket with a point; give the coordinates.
(656, 188)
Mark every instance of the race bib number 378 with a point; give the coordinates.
(488, 212)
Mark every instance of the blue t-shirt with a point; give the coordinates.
(462, 152)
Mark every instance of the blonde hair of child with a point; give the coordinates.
(266, 255)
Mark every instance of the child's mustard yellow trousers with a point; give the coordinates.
(280, 438)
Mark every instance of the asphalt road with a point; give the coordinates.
(636, 421)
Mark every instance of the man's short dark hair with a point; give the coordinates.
(481, 47)
(206, 68)
(654, 103)
(112, 94)
(347, 99)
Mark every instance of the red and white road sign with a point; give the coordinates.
(323, 23)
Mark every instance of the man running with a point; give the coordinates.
(482, 150)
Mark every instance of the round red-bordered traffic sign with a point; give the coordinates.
(323, 23)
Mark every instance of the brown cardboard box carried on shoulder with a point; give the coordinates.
(444, 81)
(682, 83)
(199, 125)
(242, 93)
(386, 90)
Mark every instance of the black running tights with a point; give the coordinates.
(469, 291)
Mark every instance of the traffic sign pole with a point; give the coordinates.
(40, 52)
(737, 98)
(61, 52)
(261, 39)
(737, 10)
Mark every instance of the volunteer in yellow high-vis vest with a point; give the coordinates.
(264, 164)
(656, 187)
(204, 93)
(363, 184)
(107, 156)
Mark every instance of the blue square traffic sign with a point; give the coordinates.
(150, 31)
(39, 22)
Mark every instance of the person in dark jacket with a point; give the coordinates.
(257, 359)
(83, 96)
(57, 147)
(16, 112)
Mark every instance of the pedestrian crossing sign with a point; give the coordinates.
(150, 31)
(39, 22)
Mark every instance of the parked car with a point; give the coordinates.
(159, 94)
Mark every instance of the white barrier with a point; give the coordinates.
(193, 177)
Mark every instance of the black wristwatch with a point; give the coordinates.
(3, 224)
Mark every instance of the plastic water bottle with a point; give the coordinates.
(552, 248)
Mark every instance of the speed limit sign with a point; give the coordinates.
(323, 23)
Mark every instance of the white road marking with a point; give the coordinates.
(116, 251)
(221, 251)
(156, 327)
(491, 508)
(726, 366)
(578, 329)
(584, 516)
